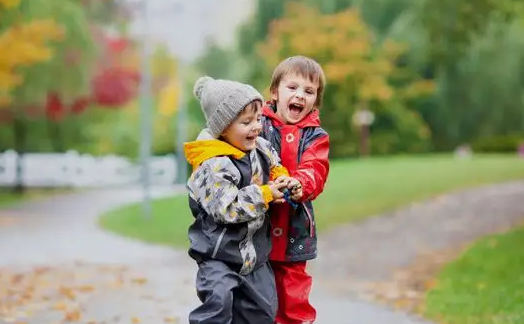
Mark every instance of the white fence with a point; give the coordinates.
(72, 169)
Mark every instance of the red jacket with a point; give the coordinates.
(304, 150)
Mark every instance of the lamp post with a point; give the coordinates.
(181, 125)
(363, 118)
(181, 115)
(146, 105)
(145, 112)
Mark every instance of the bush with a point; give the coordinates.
(498, 144)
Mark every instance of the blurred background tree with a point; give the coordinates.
(436, 74)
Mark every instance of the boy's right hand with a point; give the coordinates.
(277, 190)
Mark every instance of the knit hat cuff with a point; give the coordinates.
(229, 110)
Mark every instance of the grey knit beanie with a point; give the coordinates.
(222, 101)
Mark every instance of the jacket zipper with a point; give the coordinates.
(219, 241)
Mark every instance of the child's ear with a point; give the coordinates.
(274, 95)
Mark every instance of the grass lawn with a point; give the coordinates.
(356, 189)
(483, 286)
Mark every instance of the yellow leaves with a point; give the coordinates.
(60, 306)
(65, 291)
(9, 4)
(344, 46)
(135, 320)
(417, 89)
(168, 99)
(341, 42)
(139, 280)
(24, 45)
(72, 316)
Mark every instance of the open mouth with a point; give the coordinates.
(295, 109)
(251, 138)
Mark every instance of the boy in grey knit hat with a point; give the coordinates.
(236, 175)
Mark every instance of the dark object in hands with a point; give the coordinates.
(287, 198)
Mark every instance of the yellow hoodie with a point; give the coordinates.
(207, 147)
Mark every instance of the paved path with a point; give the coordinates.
(56, 264)
(372, 251)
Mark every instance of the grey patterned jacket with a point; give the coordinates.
(229, 197)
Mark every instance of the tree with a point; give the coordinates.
(452, 28)
(22, 43)
(62, 67)
(360, 70)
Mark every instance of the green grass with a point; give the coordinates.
(356, 189)
(484, 286)
(167, 225)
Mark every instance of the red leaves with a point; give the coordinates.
(56, 109)
(117, 45)
(114, 86)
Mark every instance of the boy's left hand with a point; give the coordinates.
(293, 185)
(296, 189)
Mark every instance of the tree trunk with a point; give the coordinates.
(364, 141)
(55, 136)
(19, 132)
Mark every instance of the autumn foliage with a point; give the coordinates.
(116, 82)
(113, 83)
(343, 44)
(21, 45)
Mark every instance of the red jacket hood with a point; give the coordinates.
(311, 120)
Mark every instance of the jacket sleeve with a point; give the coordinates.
(214, 186)
(276, 169)
(313, 170)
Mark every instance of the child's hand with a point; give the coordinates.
(293, 185)
(296, 189)
(276, 190)
(283, 179)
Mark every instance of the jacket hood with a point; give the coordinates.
(206, 147)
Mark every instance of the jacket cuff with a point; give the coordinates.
(266, 193)
(277, 172)
(307, 193)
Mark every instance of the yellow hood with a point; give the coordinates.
(198, 151)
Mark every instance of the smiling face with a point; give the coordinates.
(295, 97)
(244, 130)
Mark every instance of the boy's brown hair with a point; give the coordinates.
(304, 66)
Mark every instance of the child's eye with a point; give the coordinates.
(292, 87)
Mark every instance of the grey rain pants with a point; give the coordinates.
(230, 298)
